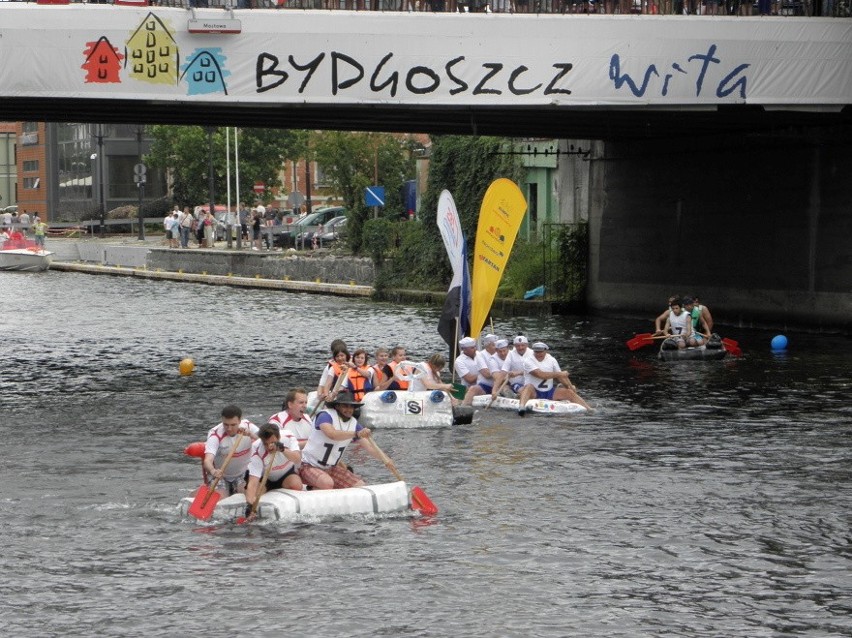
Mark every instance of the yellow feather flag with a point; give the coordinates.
(500, 216)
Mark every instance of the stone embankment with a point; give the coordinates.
(289, 270)
(319, 271)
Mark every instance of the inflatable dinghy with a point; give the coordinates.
(698, 353)
(404, 409)
(289, 504)
(538, 406)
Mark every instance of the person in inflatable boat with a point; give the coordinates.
(544, 379)
(334, 429)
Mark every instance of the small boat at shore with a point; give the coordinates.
(405, 409)
(537, 406)
(21, 255)
(282, 504)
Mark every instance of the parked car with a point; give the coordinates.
(320, 232)
(330, 232)
(309, 223)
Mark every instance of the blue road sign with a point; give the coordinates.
(374, 196)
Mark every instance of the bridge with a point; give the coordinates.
(722, 144)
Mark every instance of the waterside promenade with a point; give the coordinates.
(150, 259)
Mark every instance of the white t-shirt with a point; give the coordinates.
(466, 365)
(681, 323)
(280, 464)
(548, 364)
(301, 429)
(486, 361)
(324, 452)
(219, 444)
(515, 361)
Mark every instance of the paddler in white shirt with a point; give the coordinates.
(544, 379)
(334, 429)
(220, 441)
(486, 365)
(292, 418)
(284, 455)
(679, 326)
(465, 364)
(513, 366)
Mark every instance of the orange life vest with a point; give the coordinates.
(403, 385)
(358, 384)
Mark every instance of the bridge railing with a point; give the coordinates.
(826, 8)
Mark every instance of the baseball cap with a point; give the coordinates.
(520, 339)
(467, 342)
(539, 346)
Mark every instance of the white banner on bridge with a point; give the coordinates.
(316, 57)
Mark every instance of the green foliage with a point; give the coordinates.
(569, 260)
(524, 270)
(377, 238)
(350, 161)
(465, 166)
(185, 152)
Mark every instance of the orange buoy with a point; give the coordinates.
(195, 449)
(186, 367)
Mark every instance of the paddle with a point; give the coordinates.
(644, 339)
(337, 384)
(260, 490)
(419, 500)
(497, 393)
(732, 347)
(640, 341)
(206, 497)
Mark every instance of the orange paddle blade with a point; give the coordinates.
(204, 503)
(422, 503)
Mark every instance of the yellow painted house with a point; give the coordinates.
(152, 53)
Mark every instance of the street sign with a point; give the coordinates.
(374, 196)
(140, 169)
(139, 179)
(259, 188)
(295, 199)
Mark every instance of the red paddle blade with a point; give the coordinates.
(734, 350)
(640, 341)
(195, 449)
(422, 503)
(730, 343)
(204, 503)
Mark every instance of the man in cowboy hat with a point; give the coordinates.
(334, 428)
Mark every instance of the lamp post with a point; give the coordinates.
(139, 176)
(210, 179)
(101, 193)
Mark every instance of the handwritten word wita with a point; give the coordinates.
(733, 81)
(493, 77)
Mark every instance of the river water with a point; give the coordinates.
(700, 499)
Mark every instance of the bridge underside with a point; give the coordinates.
(563, 122)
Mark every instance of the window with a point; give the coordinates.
(32, 183)
(30, 165)
(320, 179)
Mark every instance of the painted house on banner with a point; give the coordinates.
(153, 52)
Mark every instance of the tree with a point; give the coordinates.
(465, 166)
(185, 152)
(349, 161)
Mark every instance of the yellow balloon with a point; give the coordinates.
(187, 367)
